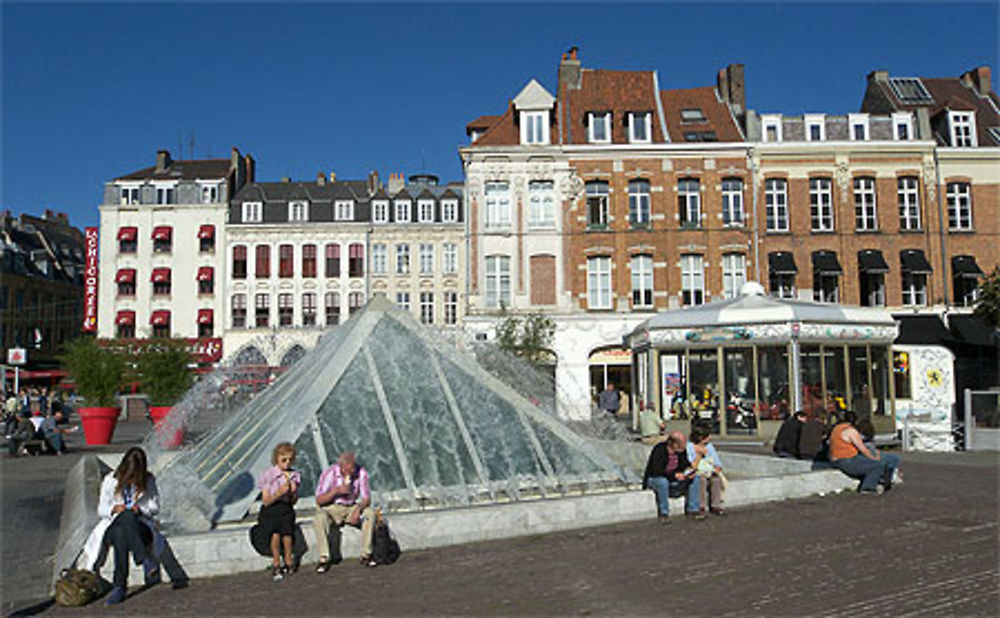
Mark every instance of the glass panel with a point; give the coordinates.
(705, 386)
(861, 395)
(772, 382)
(307, 462)
(674, 395)
(812, 382)
(836, 379)
(901, 374)
(880, 378)
(738, 378)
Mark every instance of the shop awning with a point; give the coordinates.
(125, 275)
(160, 275)
(125, 317)
(206, 273)
(781, 263)
(206, 231)
(965, 266)
(128, 233)
(871, 261)
(205, 316)
(914, 261)
(922, 330)
(162, 232)
(160, 317)
(826, 263)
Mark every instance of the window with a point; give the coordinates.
(427, 307)
(402, 211)
(161, 324)
(343, 210)
(253, 212)
(298, 211)
(732, 202)
(872, 289)
(286, 261)
(772, 127)
(689, 202)
(497, 281)
(262, 310)
(638, 203)
(166, 195)
(700, 136)
(692, 279)
(309, 309)
(451, 308)
(309, 261)
(914, 288)
(821, 204)
(534, 128)
(379, 259)
(332, 306)
(963, 129)
(965, 274)
(908, 192)
(826, 277)
(380, 211)
(426, 259)
(206, 323)
(815, 127)
(402, 259)
(125, 280)
(865, 217)
(128, 240)
(263, 270)
(240, 262)
(640, 127)
(129, 195)
(541, 209)
(599, 282)
(782, 285)
(449, 211)
(776, 204)
(125, 322)
(356, 260)
(859, 126)
(692, 114)
(206, 280)
(161, 281)
(910, 90)
(959, 206)
(497, 204)
(734, 274)
(163, 239)
(355, 300)
(597, 204)
(449, 258)
(209, 195)
(286, 309)
(425, 210)
(901, 375)
(403, 300)
(642, 281)
(599, 127)
(332, 261)
(902, 126)
(206, 238)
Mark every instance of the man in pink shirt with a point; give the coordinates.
(343, 497)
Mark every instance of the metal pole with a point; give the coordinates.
(968, 419)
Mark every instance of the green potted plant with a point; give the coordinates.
(97, 373)
(164, 375)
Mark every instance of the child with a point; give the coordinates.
(279, 487)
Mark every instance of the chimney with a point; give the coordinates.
(396, 183)
(333, 176)
(373, 183)
(569, 70)
(731, 87)
(251, 168)
(880, 76)
(234, 158)
(979, 78)
(162, 160)
(321, 179)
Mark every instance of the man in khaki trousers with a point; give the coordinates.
(343, 497)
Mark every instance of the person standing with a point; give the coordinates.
(343, 497)
(609, 399)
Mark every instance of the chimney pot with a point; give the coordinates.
(162, 160)
(286, 179)
(333, 176)
(881, 76)
(320, 179)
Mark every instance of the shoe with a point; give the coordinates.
(663, 519)
(151, 571)
(697, 515)
(324, 565)
(717, 511)
(897, 477)
(277, 574)
(116, 596)
(290, 569)
(879, 490)
(179, 584)
(366, 561)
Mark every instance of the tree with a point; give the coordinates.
(530, 339)
(988, 303)
(97, 371)
(163, 371)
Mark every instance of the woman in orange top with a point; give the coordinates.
(849, 455)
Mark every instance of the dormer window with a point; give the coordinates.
(425, 209)
(815, 127)
(692, 114)
(963, 129)
(209, 194)
(858, 124)
(902, 126)
(298, 211)
(343, 210)
(166, 194)
(402, 211)
(534, 128)
(449, 211)
(771, 127)
(475, 134)
(252, 212)
(640, 127)
(599, 127)
(129, 195)
(380, 211)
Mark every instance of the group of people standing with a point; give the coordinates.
(688, 467)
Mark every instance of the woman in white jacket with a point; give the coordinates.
(128, 504)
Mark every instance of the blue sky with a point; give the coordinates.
(91, 91)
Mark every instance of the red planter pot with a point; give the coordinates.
(158, 413)
(98, 424)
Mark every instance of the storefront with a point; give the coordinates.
(752, 359)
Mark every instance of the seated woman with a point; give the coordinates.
(279, 488)
(128, 503)
(707, 467)
(849, 454)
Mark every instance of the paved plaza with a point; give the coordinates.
(929, 547)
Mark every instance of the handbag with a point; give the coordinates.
(78, 587)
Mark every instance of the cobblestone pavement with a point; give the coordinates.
(926, 548)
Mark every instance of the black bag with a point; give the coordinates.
(385, 549)
(77, 587)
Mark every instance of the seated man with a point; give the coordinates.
(849, 455)
(668, 474)
(52, 433)
(786, 443)
(24, 432)
(343, 497)
(708, 469)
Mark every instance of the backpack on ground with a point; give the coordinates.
(78, 587)
(385, 549)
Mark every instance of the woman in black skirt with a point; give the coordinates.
(279, 486)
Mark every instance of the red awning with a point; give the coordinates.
(160, 275)
(205, 316)
(125, 317)
(206, 273)
(162, 232)
(125, 275)
(160, 317)
(128, 233)
(206, 231)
